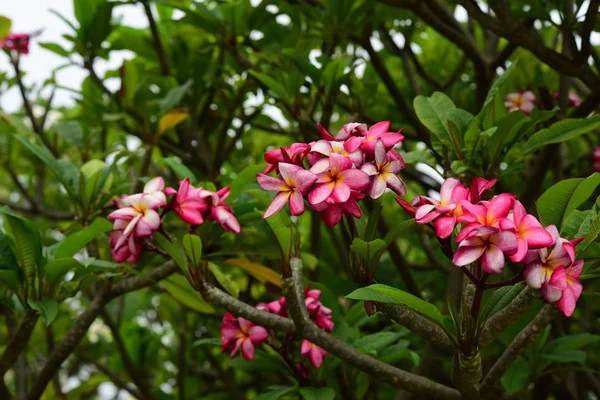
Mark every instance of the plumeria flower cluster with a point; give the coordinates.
(492, 231)
(239, 333)
(523, 101)
(18, 42)
(574, 100)
(333, 173)
(596, 157)
(137, 216)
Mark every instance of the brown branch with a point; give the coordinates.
(158, 46)
(293, 289)
(508, 315)
(18, 343)
(515, 32)
(111, 375)
(524, 339)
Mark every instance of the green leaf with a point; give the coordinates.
(10, 278)
(277, 88)
(376, 342)
(70, 131)
(180, 289)
(323, 393)
(386, 294)
(562, 131)
(499, 299)
(5, 24)
(47, 308)
(592, 234)
(433, 112)
(367, 250)
(174, 252)
(224, 280)
(577, 224)
(78, 240)
(568, 356)
(245, 178)
(556, 203)
(27, 242)
(7, 256)
(276, 392)
(516, 377)
(66, 172)
(55, 48)
(571, 342)
(373, 222)
(192, 245)
(174, 97)
(180, 170)
(208, 341)
(57, 268)
(397, 230)
(280, 223)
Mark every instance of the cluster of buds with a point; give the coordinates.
(596, 157)
(340, 170)
(491, 231)
(239, 333)
(525, 101)
(137, 215)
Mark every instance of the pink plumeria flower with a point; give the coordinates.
(368, 139)
(337, 177)
(384, 173)
(220, 211)
(540, 264)
(524, 101)
(314, 353)
(295, 184)
(239, 332)
(566, 280)
(124, 247)
(596, 156)
(154, 187)
(490, 244)
(140, 212)
(16, 41)
(332, 211)
(446, 212)
(294, 154)
(574, 100)
(486, 213)
(351, 129)
(323, 148)
(278, 307)
(187, 203)
(530, 233)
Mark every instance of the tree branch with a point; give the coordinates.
(293, 289)
(524, 339)
(160, 51)
(16, 346)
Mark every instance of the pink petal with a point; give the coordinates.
(551, 295)
(320, 166)
(288, 171)
(306, 347)
(315, 357)
(353, 143)
(467, 254)
(351, 207)
(500, 206)
(369, 169)
(226, 219)
(395, 183)
(332, 215)
(505, 241)
(296, 203)
(320, 193)
(170, 190)
(521, 251)
(558, 280)
(184, 187)
(277, 203)
(380, 153)
(304, 180)
(379, 128)
(147, 224)
(322, 147)
(126, 213)
(355, 179)
(339, 163)
(325, 133)
(575, 269)
(444, 226)
(567, 302)
(519, 212)
(154, 185)
(534, 275)
(151, 202)
(493, 260)
(553, 231)
(258, 334)
(538, 237)
(391, 138)
(248, 350)
(192, 216)
(377, 187)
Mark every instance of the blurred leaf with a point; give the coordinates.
(70, 131)
(499, 299)
(367, 250)
(244, 178)
(180, 170)
(433, 112)
(174, 97)
(78, 240)
(55, 48)
(180, 289)
(224, 280)
(257, 270)
(192, 245)
(5, 24)
(171, 119)
(568, 356)
(174, 252)
(47, 308)
(323, 393)
(562, 131)
(376, 342)
(277, 88)
(516, 377)
(57, 268)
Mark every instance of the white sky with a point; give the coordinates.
(31, 15)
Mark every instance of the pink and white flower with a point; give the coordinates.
(295, 184)
(337, 177)
(313, 352)
(294, 154)
(358, 137)
(490, 244)
(239, 332)
(567, 281)
(220, 211)
(187, 203)
(524, 101)
(384, 173)
(485, 214)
